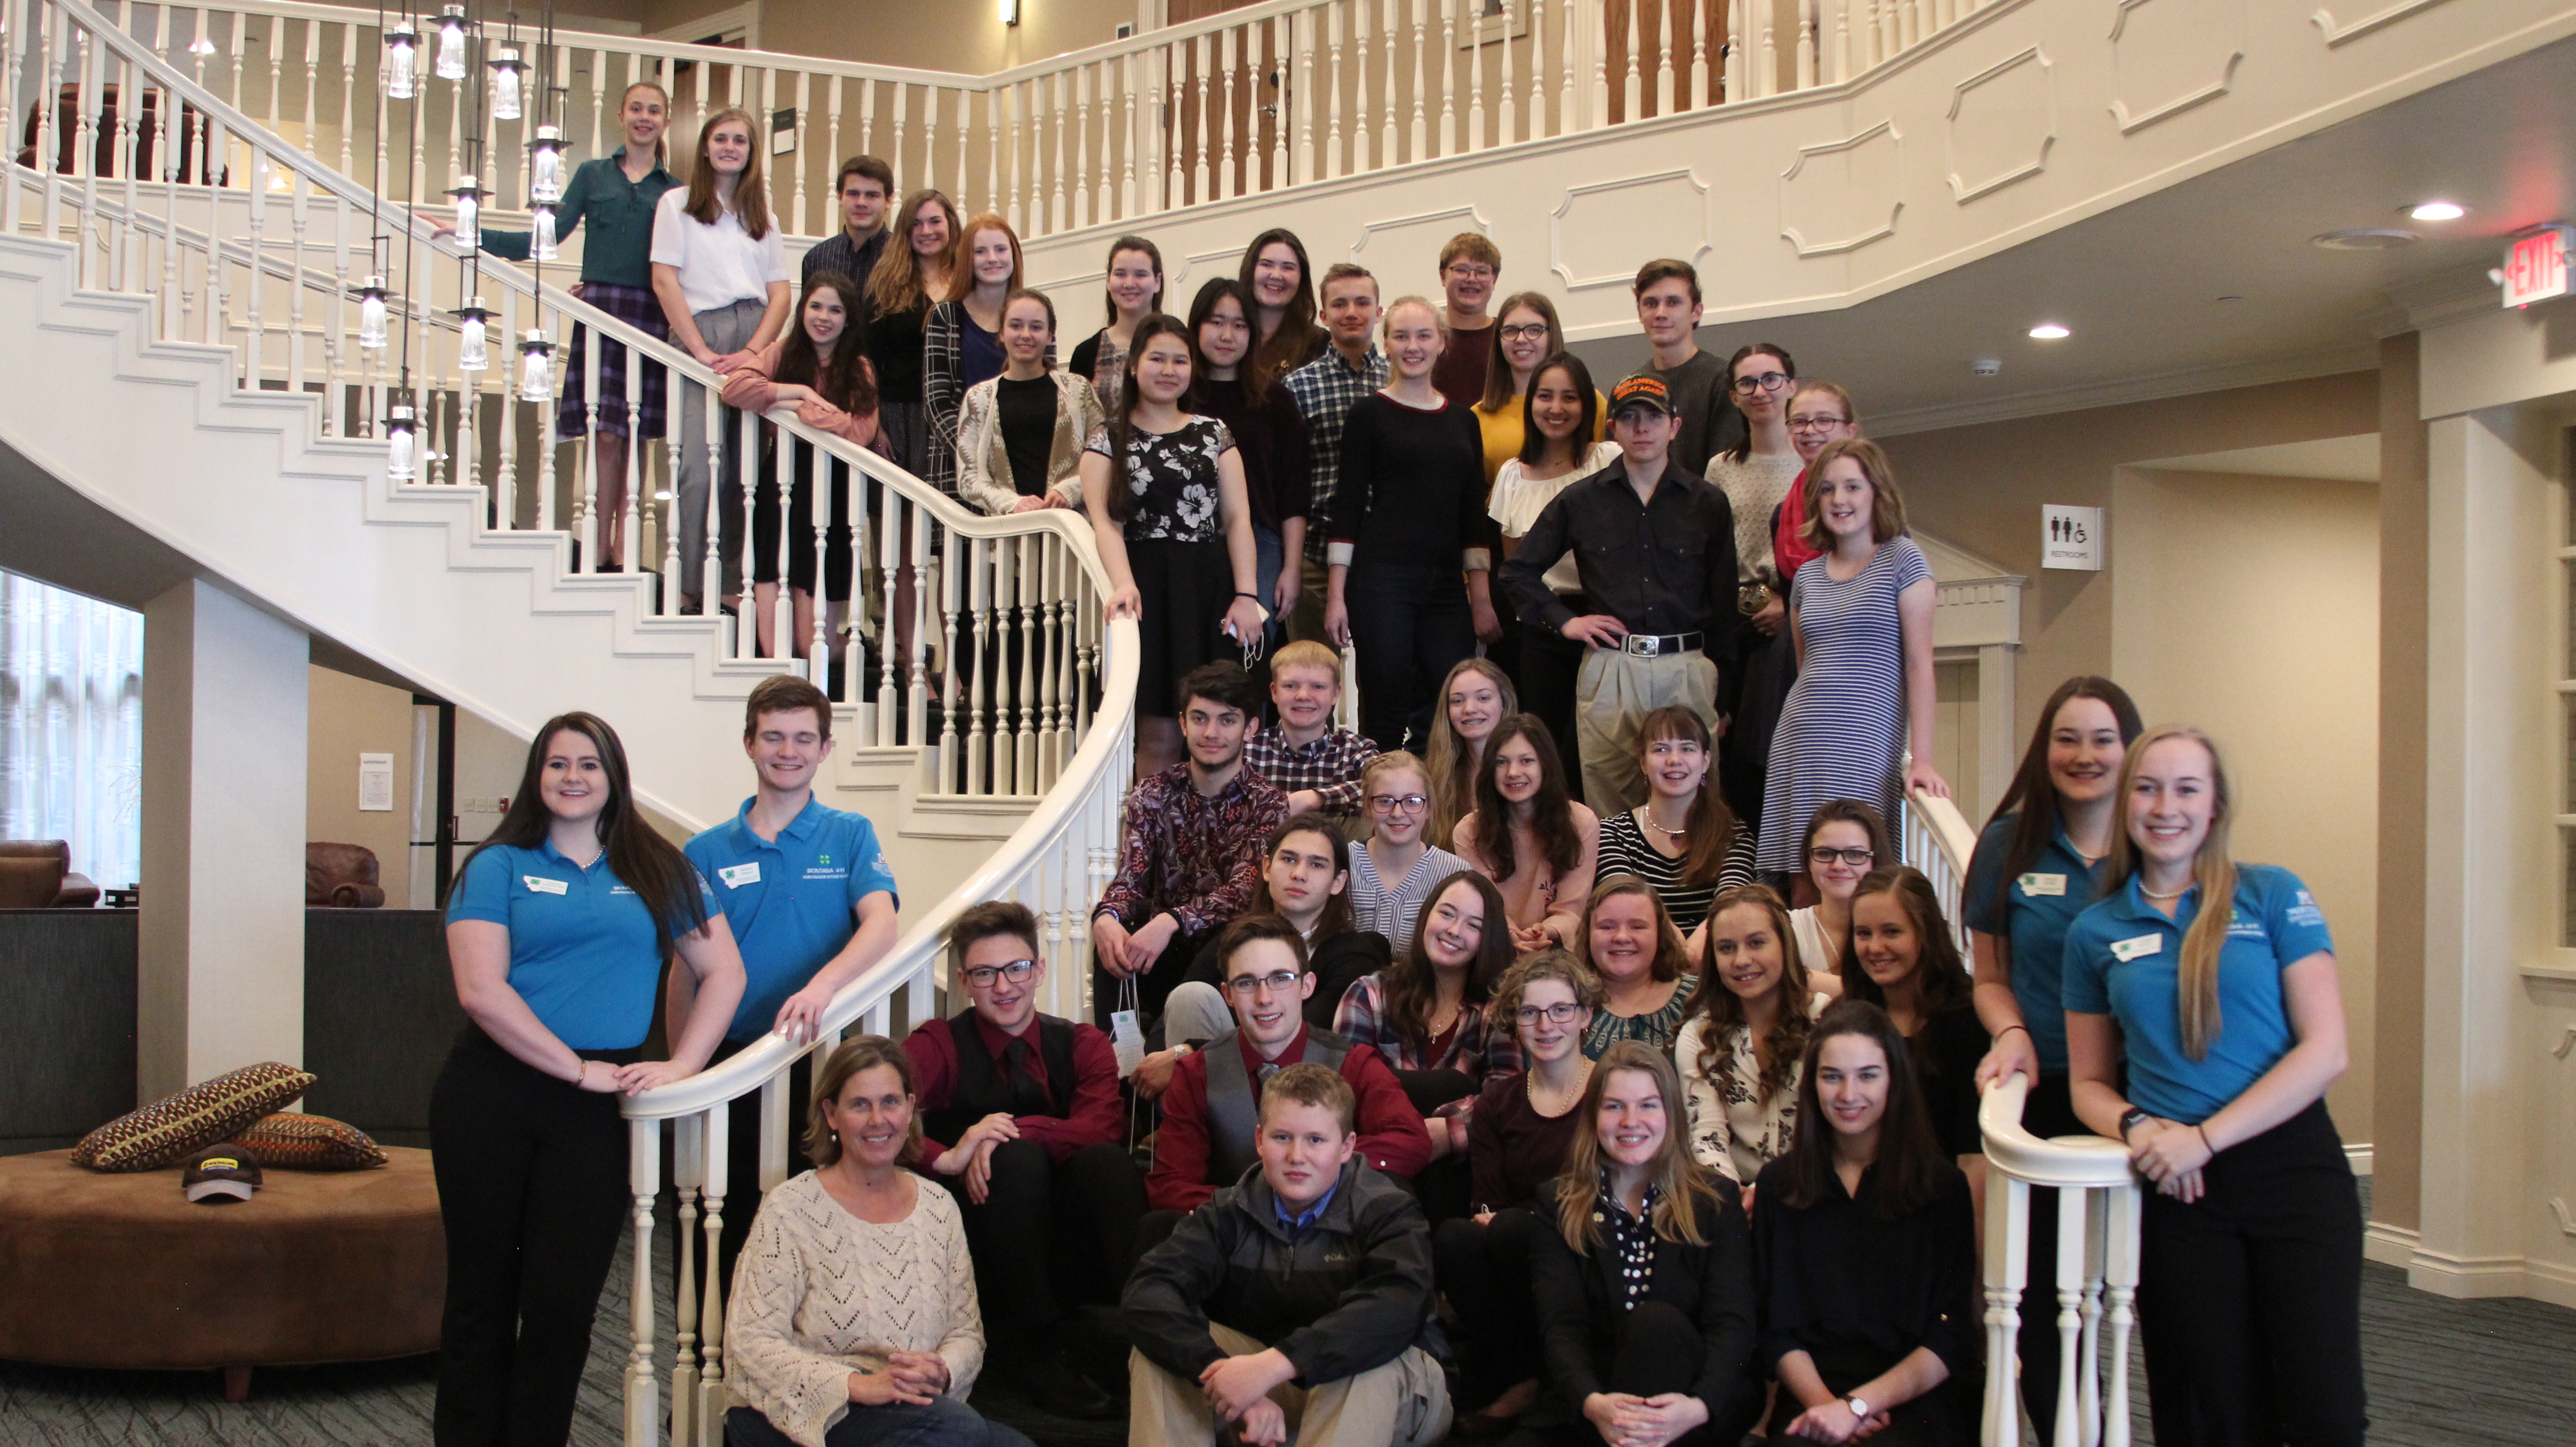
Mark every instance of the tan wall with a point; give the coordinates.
(1981, 487)
(2249, 606)
(2397, 1072)
(350, 716)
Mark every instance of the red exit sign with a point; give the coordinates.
(2535, 268)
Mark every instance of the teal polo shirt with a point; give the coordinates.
(2123, 959)
(583, 950)
(790, 903)
(2031, 914)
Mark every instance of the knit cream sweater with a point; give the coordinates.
(819, 1293)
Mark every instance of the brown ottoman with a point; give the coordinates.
(320, 1266)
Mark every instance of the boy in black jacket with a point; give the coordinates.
(1300, 1297)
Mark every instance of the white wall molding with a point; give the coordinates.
(2338, 32)
(1843, 196)
(1619, 242)
(1988, 142)
(2171, 56)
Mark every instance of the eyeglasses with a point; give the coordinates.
(1398, 803)
(1470, 271)
(982, 977)
(1526, 331)
(1563, 1012)
(1816, 424)
(1767, 382)
(1278, 983)
(1845, 856)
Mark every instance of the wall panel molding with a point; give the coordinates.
(2003, 121)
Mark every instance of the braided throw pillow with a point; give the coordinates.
(309, 1143)
(171, 1130)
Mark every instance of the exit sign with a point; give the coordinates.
(2535, 268)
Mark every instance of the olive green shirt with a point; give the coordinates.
(620, 213)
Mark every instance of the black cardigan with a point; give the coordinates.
(1580, 1307)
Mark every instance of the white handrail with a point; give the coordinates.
(1936, 839)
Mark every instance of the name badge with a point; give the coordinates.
(736, 876)
(2044, 886)
(2139, 948)
(539, 884)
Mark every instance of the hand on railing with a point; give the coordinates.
(1923, 779)
(2011, 1054)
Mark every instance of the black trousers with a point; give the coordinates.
(2250, 1297)
(1411, 625)
(1551, 665)
(1485, 1273)
(532, 1188)
(742, 1171)
(1660, 1350)
(1050, 1235)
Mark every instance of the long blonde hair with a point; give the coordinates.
(1451, 769)
(750, 203)
(1682, 1181)
(2211, 869)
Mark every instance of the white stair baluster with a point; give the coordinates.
(643, 1184)
(951, 760)
(688, 1178)
(818, 495)
(1418, 137)
(712, 1394)
(1032, 560)
(1384, 101)
(1336, 160)
(710, 576)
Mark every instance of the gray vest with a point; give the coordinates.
(1234, 1100)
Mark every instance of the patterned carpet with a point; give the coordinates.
(2441, 1372)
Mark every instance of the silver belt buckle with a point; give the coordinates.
(1646, 646)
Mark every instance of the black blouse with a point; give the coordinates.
(1858, 1294)
(1583, 1300)
(1277, 463)
(894, 347)
(1412, 486)
(1946, 1053)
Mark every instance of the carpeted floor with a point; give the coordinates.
(2441, 1372)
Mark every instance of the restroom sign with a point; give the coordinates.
(2070, 537)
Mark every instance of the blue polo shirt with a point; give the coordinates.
(2031, 916)
(790, 902)
(583, 951)
(2123, 959)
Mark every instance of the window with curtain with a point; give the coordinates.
(71, 726)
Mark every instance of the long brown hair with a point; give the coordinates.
(2212, 869)
(2031, 801)
(1682, 1182)
(1152, 253)
(1709, 828)
(1742, 448)
(1909, 1164)
(896, 285)
(1941, 980)
(961, 259)
(1786, 1041)
(643, 861)
(750, 200)
(1292, 345)
(1498, 368)
(1121, 498)
(844, 379)
(1450, 768)
(1882, 845)
(1672, 957)
(1560, 844)
(1337, 917)
(1413, 983)
(866, 1052)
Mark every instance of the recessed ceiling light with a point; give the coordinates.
(2049, 331)
(2438, 211)
(2363, 238)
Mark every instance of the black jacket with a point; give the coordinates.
(1348, 1293)
(1579, 1306)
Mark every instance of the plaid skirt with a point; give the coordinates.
(639, 308)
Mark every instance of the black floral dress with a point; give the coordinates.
(1175, 535)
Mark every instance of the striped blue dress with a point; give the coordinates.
(1842, 733)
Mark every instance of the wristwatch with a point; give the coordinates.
(2128, 1120)
(1859, 1408)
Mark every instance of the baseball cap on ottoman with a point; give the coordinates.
(220, 1173)
(1641, 391)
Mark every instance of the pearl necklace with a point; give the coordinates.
(1646, 816)
(2151, 894)
(1564, 1102)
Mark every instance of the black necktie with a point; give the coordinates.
(1028, 1096)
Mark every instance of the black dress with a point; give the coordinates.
(1175, 536)
(1858, 1294)
(1946, 1052)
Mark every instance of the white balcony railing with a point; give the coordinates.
(1257, 99)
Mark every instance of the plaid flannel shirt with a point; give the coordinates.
(1330, 766)
(1325, 389)
(1478, 1049)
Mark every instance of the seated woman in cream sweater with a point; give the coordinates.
(854, 1318)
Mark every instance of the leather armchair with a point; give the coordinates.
(37, 874)
(341, 876)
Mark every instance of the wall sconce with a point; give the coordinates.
(1010, 12)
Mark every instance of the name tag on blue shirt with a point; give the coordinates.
(2144, 945)
(539, 884)
(736, 876)
(2037, 886)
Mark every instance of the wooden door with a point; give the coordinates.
(1243, 120)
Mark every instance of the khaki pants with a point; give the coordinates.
(1612, 696)
(1404, 1403)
